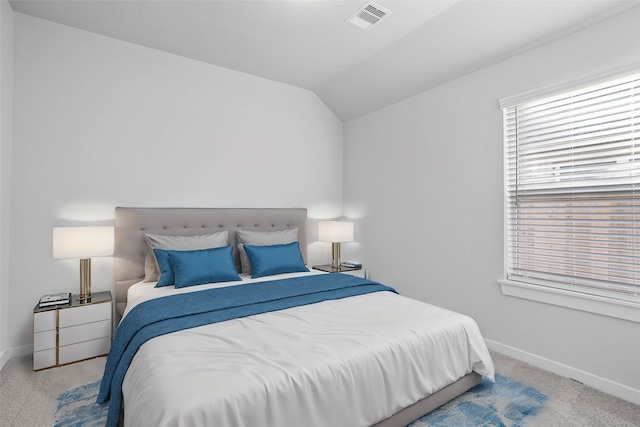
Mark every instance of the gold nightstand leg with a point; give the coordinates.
(57, 337)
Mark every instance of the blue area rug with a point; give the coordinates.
(77, 407)
(507, 403)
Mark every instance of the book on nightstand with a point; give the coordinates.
(351, 264)
(55, 299)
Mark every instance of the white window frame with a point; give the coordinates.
(538, 290)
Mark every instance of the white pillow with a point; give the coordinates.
(262, 238)
(179, 243)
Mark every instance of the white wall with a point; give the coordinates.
(6, 99)
(100, 123)
(425, 177)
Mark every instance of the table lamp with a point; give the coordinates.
(83, 243)
(335, 232)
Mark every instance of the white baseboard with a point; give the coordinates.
(9, 354)
(4, 358)
(616, 389)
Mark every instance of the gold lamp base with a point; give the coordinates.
(335, 255)
(85, 280)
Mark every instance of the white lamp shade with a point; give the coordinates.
(82, 242)
(335, 231)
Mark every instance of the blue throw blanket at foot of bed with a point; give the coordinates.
(183, 311)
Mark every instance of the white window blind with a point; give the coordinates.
(573, 189)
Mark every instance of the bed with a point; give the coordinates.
(337, 350)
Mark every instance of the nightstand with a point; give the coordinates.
(358, 272)
(72, 332)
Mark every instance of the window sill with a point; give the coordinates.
(590, 303)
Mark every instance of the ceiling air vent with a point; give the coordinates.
(368, 15)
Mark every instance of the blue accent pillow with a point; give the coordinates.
(197, 267)
(167, 277)
(275, 259)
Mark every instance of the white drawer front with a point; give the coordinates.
(86, 332)
(44, 359)
(84, 350)
(84, 314)
(45, 321)
(44, 340)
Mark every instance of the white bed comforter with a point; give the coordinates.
(350, 362)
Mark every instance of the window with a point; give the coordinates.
(572, 181)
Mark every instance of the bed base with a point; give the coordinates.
(422, 407)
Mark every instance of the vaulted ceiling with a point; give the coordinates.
(306, 43)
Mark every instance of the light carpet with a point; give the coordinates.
(505, 403)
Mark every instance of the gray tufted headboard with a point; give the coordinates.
(131, 224)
